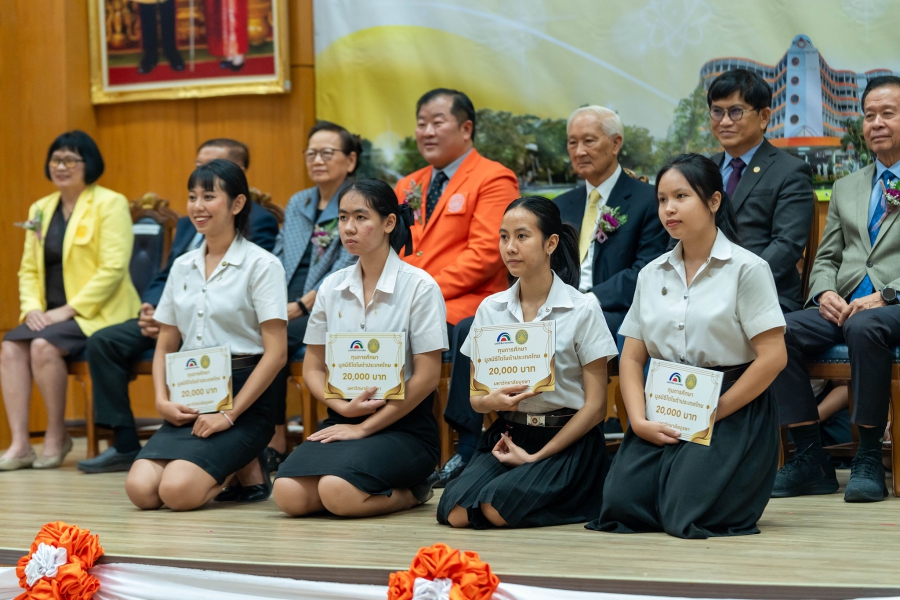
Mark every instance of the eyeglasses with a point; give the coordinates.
(326, 153)
(69, 161)
(734, 113)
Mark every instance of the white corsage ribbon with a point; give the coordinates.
(45, 562)
(427, 589)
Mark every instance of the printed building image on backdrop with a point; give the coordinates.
(527, 64)
(157, 49)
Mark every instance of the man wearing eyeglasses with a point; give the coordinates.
(771, 191)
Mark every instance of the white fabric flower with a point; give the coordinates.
(45, 562)
(427, 589)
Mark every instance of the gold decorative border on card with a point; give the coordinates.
(330, 390)
(226, 403)
(398, 392)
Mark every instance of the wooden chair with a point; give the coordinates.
(265, 200)
(148, 210)
(834, 364)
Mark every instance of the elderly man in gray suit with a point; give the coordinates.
(852, 300)
(771, 191)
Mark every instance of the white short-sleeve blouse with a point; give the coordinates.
(245, 289)
(406, 299)
(581, 338)
(710, 322)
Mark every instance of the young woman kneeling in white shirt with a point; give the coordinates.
(372, 457)
(228, 292)
(551, 474)
(708, 303)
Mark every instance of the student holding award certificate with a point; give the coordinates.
(373, 355)
(710, 304)
(227, 293)
(544, 460)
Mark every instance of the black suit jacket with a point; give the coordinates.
(620, 258)
(774, 208)
(263, 231)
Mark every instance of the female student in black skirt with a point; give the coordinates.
(227, 292)
(524, 475)
(372, 457)
(711, 304)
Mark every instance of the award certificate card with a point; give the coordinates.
(514, 354)
(356, 361)
(684, 398)
(200, 379)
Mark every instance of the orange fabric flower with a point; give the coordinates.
(72, 581)
(472, 578)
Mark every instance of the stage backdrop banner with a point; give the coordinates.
(527, 64)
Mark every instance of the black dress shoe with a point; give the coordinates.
(146, 66)
(231, 493)
(110, 461)
(225, 64)
(424, 491)
(274, 458)
(451, 471)
(260, 491)
(235, 67)
(176, 63)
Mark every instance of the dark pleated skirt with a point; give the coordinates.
(564, 488)
(693, 491)
(399, 456)
(226, 452)
(67, 336)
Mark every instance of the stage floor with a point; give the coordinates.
(809, 547)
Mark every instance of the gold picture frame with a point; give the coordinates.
(114, 22)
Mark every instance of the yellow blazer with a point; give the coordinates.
(96, 254)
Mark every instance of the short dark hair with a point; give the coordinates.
(232, 181)
(753, 88)
(565, 260)
(84, 146)
(878, 82)
(462, 108)
(381, 198)
(704, 177)
(238, 152)
(349, 142)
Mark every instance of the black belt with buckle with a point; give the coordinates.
(556, 418)
(730, 374)
(245, 361)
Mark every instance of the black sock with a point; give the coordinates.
(808, 436)
(466, 445)
(126, 439)
(870, 439)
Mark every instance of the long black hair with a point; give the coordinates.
(232, 181)
(705, 179)
(564, 260)
(381, 198)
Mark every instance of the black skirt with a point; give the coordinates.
(564, 488)
(226, 452)
(67, 336)
(693, 491)
(400, 456)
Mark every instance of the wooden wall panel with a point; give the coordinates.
(147, 146)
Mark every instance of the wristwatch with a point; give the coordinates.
(889, 295)
(303, 309)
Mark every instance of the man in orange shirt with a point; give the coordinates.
(458, 201)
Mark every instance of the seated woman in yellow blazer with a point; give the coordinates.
(73, 280)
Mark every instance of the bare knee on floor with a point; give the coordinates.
(340, 497)
(185, 486)
(294, 498)
(490, 513)
(143, 493)
(458, 517)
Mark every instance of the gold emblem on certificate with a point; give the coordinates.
(356, 361)
(684, 398)
(514, 354)
(200, 379)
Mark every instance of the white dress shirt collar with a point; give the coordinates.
(386, 281)
(605, 188)
(557, 298)
(721, 251)
(233, 256)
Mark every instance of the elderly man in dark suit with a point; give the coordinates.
(770, 190)
(611, 260)
(852, 300)
(113, 351)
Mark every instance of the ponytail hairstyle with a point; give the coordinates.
(232, 181)
(564, 260)
(381, 198)
(705, 179)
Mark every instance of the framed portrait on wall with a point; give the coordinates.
(166, 49)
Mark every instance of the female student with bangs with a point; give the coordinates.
(228, 292)
(524, 475)
(711, 304)
(373, 457)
